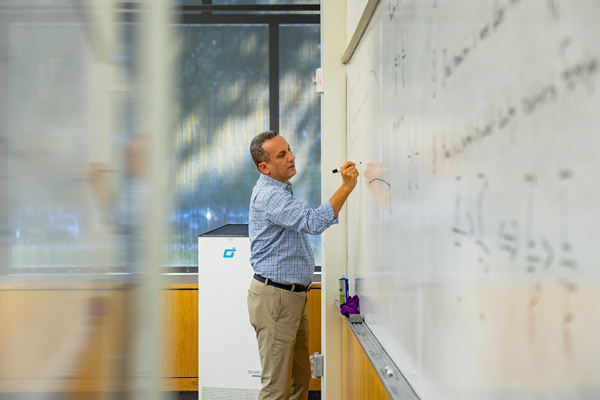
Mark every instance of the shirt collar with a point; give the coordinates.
(267, 180)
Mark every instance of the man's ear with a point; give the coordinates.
(262, 167)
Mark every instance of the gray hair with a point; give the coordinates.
(256, 146)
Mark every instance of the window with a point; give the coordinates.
(223, 79)
(226, 89)
(241, 68)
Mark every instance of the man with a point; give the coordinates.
(283, 263)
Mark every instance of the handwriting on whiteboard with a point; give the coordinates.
(544, 94)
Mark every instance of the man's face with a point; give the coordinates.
(281, 165)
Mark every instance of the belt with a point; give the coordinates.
(293, 287)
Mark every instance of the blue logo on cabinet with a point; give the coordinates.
(229, 253)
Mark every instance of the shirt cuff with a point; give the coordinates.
(329, 213)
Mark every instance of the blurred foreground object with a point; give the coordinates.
(83, 145)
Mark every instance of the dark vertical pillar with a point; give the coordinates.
(274, 76)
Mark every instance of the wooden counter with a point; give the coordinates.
(73, 337)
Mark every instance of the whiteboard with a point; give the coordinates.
(474, 230)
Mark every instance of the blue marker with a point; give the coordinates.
(343, 287)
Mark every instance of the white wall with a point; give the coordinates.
(333, 154)
(355, 11)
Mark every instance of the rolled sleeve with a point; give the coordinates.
(327, 210)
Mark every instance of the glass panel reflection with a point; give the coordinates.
(59, 120)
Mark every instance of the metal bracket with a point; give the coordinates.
(316, 365)
(355, 318)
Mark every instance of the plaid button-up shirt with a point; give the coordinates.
(279, 226)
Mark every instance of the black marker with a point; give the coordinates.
(340, 168)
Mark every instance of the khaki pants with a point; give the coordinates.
(280, 320)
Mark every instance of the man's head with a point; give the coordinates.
(273, 156)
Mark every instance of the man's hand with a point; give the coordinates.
(349, 179)
(349, 175)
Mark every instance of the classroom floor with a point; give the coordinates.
(194, 395)
(58, 396)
